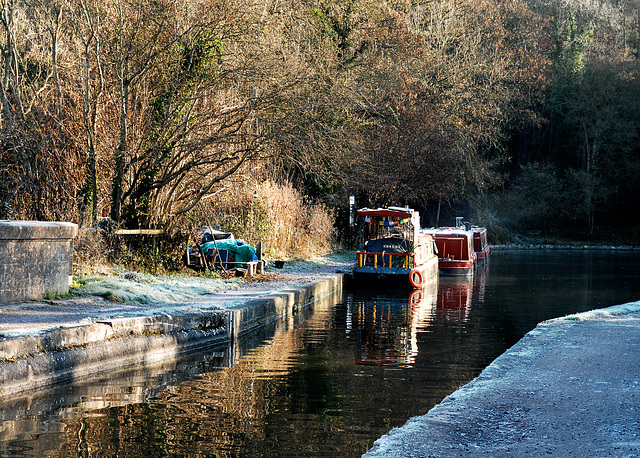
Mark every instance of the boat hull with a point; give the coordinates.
(456, 268)
(371, 276)
(483, 257)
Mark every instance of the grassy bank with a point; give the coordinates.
(117, 284)
(288, 224)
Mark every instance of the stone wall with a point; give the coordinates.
(35, 259)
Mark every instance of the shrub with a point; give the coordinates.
(278, 215)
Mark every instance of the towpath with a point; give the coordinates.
(36, 317)
(44, 342)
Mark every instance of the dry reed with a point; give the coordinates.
(279, 216)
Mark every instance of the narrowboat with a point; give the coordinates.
(394, 251)
(454, 245)
(480, 244)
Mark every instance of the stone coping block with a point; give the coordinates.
(258, 312)
(35, 259)
(37, 230)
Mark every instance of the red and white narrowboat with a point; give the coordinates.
(480, 244)
(455, 248)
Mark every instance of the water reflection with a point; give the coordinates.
(387, 324)
(326, 382)
(457, 293)
(74, 419)
(214, 401)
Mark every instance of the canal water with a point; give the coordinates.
(327, 382)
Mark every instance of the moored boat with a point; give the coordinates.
(456, 255)
(480, 243)
(394, 250)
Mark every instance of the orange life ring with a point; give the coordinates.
(415, 278)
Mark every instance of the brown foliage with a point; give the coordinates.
(148, 110)
(431, 86)
(287, 223)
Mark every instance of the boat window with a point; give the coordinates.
(373, 230)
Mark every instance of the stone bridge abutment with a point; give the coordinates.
(35, 259)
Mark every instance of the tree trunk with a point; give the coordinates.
(10, 83)
(116, 194)
(54, 32)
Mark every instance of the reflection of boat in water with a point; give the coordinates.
(454, 298)
(386, 326)
(457, 294)
(394, 250)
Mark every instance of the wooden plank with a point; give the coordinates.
(139, 231)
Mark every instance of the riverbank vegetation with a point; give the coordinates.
(262, 117)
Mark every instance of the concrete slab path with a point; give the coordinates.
(569, 388)
(44, 342)
(36, 317)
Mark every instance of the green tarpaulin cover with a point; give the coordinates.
(236, 248)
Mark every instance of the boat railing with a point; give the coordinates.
(363, 256)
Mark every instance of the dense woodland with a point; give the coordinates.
(522, 115)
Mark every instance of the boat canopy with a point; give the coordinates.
(392, 212)
(388, 222)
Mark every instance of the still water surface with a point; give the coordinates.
(327, 382)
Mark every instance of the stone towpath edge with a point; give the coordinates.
(75, 346)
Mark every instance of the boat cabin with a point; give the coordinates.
(454, 246)
(390, 237)
(480, 243)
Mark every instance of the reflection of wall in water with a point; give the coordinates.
(224, 410)
(385, 327)
(67, 406)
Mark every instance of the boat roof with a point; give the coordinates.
(391, 212)
(446, 231)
